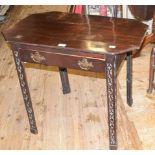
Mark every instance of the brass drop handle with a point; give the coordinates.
(36, 57)
(84, 64)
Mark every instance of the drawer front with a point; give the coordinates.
(62, 60)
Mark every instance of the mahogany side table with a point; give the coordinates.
(66, 40)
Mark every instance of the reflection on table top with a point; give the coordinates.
(89, 33)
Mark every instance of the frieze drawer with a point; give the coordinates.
(62, 60)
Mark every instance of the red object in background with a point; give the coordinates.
(78, 9)
(103, 10)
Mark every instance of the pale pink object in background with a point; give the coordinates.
(78, 9)
(103, 10)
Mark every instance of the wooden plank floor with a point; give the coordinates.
(77, 120)
(142, 113)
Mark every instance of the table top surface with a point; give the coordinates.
(90, 33)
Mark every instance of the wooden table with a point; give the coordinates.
(93, 43)
(145, 13)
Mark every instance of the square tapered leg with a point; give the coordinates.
(111, 81)
(25, 92)
(64, 80)
(151, 72)
(129, 79)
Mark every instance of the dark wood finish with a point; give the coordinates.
(147, 12)
(152, 72)
(111, 73)
(153, 24)
(61, 59)
(91, 43)
(129, 79)
(64, 80)
(142, 12)
(25, 90)
(78, 32)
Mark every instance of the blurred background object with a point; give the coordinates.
(4, 9)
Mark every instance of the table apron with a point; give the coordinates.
(63, 60)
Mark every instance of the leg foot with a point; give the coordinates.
(113, 147)
(149, 91)
(34, 131)
(130, 101)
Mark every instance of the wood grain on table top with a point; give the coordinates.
(85, 32)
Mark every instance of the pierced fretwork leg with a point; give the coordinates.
(25, 92)
(64, 80)
(152, 70)
(111, 80)
(129, 79)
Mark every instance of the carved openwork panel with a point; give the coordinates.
(111, 90)
(25, 91)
